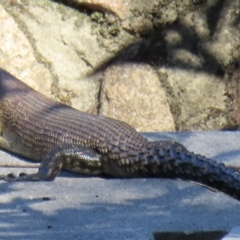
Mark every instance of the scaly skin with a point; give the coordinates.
(59, 136)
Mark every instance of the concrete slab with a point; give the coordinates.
(233, 235)
(77, 207)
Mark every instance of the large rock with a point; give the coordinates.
(17, 55)
(58, 48)
(133, 94)
(201, 50)
(199, 99)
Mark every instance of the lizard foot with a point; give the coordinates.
(11, 177)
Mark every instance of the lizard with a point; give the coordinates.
(61, 137)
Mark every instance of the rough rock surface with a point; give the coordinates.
(118, 7)
(200, 99)
(63, 49)
(140, 85)
(17, 55)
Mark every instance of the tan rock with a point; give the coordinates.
(17, 56)
(118, 7)
(199, 97)
(56, 49)
(225, 37)
(69, 48)
(133, 94)
(200, 68)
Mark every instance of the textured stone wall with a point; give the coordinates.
(158, 65)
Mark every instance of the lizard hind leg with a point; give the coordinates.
(79, 159)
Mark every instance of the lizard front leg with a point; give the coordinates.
(79, 159)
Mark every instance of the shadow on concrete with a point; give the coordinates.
(120, 209)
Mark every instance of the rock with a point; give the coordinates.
(17, 56)
(59, 49)
(67, 48)
(199, 99)
(118, 7)
(233, 91)
(200, 53)
(133, 94)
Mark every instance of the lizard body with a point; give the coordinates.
(58, 136)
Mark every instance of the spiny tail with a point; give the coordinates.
(172, 160)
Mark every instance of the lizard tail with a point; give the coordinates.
(173, 160)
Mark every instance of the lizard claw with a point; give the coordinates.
(8, 178)
(12, 176)
(23, 174)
